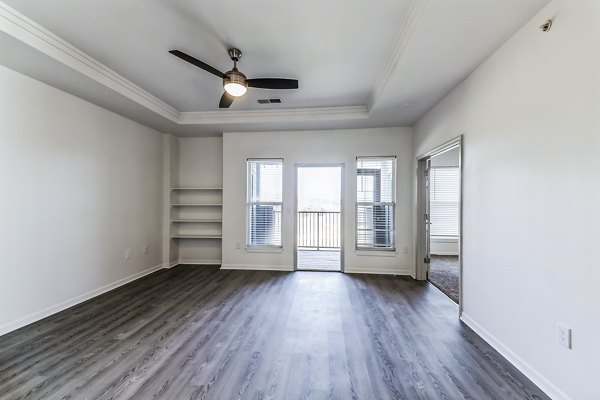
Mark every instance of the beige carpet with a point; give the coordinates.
(444, 274)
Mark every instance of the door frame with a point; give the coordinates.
(342, 167)
(421, 225)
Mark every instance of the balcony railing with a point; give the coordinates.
(319, 230)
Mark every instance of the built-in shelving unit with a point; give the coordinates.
(196, 216)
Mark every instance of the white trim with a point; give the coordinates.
(39, 38)
(198, 261)
(443, 240)
(287, 268)
(264, 249)
(409, 26)
(36, 316)
(172, 264)
(376, 253)
(27, 31)
(270, 116)
(536, 377)
(442, 148)
(381, 271)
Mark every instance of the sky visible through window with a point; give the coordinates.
(319, 188)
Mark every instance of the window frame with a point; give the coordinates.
(391, 248)
(249, 204)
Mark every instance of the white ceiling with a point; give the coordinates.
(393, 59)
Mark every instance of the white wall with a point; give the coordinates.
(450, 158)
(79, 186)
(170, 180)
(530, 116)
(316, 147)
(444, 246)
(201, 161)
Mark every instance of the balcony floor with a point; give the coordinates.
(322, 260)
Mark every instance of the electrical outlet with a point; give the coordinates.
(238, 245)
(127, 254)
(145, 249)
(405, 250)
(564, 336)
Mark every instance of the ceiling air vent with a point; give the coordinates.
(269, 101)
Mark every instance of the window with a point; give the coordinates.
(264, 202)
(444, 193)
(375, 202)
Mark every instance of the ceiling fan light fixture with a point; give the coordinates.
(235, 89)
(235, 83)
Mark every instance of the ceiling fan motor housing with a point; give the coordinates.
(235, 76)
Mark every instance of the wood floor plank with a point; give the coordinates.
(203, 333)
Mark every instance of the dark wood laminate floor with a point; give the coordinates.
(203, 333)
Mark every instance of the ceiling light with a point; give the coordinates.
(235, 83)
(235, 89)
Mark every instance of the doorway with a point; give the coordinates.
(319, 217)
(440, 204)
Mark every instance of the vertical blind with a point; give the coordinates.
(264, 202)
(444, 193)
(375, 202)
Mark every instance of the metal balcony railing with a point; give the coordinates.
(319, 230)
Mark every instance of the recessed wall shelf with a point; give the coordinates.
(216, 236)
(197, 205)
(197, 188)
(198, 221)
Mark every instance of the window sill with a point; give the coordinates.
(444, 239)
(264, 249)
(376, 253)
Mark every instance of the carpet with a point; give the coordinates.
(444, 273)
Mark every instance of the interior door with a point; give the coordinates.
(427, 216)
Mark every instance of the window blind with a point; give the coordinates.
(264, 202)
(444, 194)
(375, 202)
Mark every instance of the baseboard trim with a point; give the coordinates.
(527, 370)
(36, 316)
(171, 264)
(286, 268)
(445, 253)
(378, 271)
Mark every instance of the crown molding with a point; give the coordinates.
(409, 25)
(27, 31)
(39, 38)
(272, 116)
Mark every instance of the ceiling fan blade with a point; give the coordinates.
(273, 83)
(197, 63)
(226, 100)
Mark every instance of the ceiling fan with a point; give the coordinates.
(234, 82)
